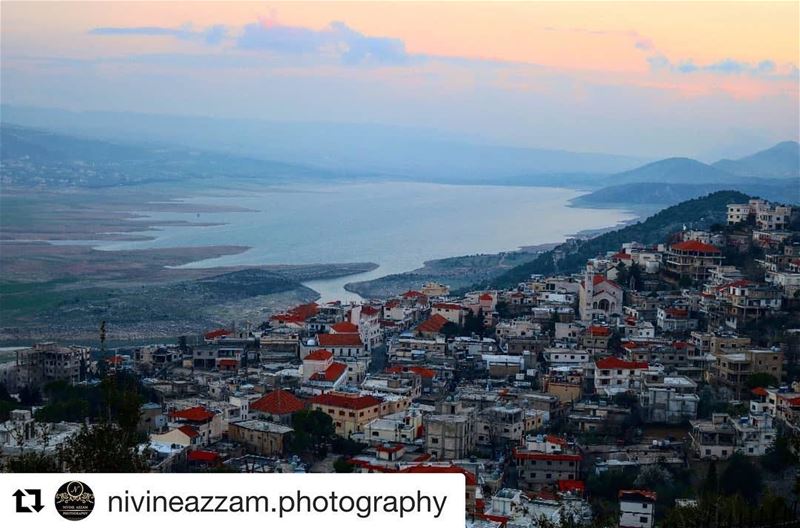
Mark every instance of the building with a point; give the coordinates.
(450, 432)
(537, 469)
(277, 406)
(732, 371)
(692, 260)
(46, 362)
(637, 508)
(765, 215)
(261, 437)
(450, 311)
(613, 375)
(723, 435)
(599, 296)
(350, 412)
(670, 399)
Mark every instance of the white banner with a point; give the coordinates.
(209, 499)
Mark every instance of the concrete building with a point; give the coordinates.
(46, 362)
(637, 508)
(261, 437)
(671, 399)
(450, 433)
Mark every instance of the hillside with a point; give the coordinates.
(698, 213)
(34, 157)
(664, 194)
(780, 161)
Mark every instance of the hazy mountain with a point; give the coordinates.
(31, 157)
(779, 190)
(672, 170)
(780, 161)
(413, 153)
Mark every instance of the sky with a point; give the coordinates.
(645, 79)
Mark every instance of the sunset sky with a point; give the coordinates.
(647, 79)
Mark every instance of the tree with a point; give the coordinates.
(741, 477)
(30, 396)
(341, 465)
(102, 448)
(32, 462)
(761, 379)
(312, 432)
(710, 484)
(779, 456)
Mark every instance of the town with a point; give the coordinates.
(659, 385)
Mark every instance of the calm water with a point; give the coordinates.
(396, 225)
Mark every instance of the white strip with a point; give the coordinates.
(386, 500)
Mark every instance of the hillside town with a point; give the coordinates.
(620, 395)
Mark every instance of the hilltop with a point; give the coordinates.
(572, 255)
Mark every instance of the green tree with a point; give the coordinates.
(341, 465)
(761, 379)
(710, 484)
(741, 477)
(32, 462)
(313, 430)
(102, 448)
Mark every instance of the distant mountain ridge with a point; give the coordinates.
(773, 174)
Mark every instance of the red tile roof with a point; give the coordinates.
(226, 362)
(189, 431)
(621, 256)
(298, 313)
(202, 456)
(695, 245)
(369, 311)
(319, 355)
(553, 439)
(344, 327)
(193, 414)
(345, 401)
(412, 294)
(214, 334)
(421, 371)
(332, 373)
(599, 331)
(432, 325)
(759, 391)
(278, 402)
(571, 485)
(486, 297)
(617, 363)
(448, 306)
(645, 495)
(339, 340)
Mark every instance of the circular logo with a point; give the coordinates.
(74, 500)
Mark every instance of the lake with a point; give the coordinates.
(396, 225)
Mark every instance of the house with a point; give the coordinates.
(350, 412)
(613, 375)
(431, 327)
(207, 424)
(450, 432)
(675, 319)
(261, 437)
(321, 373)
(537, 469)
(342, 346)
(668, 399)
(691, 260)
(637, 508)
(732, 371)
(450, 311)
(277, 406)
(723, 435)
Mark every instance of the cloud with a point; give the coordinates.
(764, 68)
(337, 39)
(211, 35)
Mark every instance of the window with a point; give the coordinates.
(643, 520)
